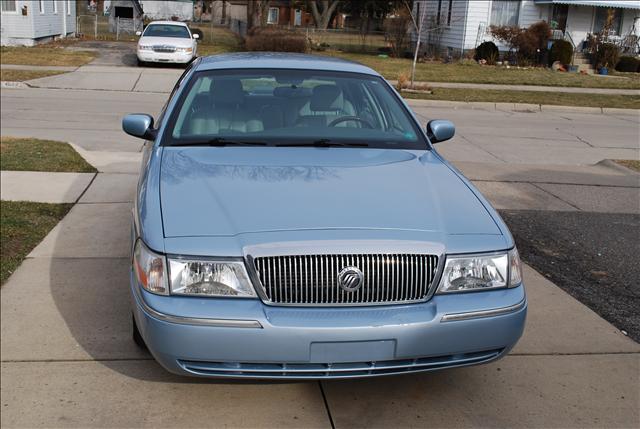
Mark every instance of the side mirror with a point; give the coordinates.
(196, 36)
(138, 33)
(139, 125)
(440, 130)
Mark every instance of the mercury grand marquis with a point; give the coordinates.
(293, 220)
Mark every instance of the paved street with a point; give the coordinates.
(66, 350)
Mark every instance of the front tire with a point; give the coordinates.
(137, 337)
(141, 63)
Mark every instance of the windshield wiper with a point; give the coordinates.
(219, 141)
(323, 143)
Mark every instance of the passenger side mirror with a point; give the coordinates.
(440, 130)
(196, 36)
(139, 125)
(138, 33)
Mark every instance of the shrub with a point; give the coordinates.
(628, 64)
(487, 51)
(276, 40)
(529, 43)
(562, 51)
(606, 55)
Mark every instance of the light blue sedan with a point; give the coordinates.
(294, 221)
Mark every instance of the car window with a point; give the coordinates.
(166, 30)
(292, 106)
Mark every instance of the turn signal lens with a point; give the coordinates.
(149, 268)
(515, 268)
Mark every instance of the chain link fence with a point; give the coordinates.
(103, 27)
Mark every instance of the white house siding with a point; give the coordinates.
(165, 9)
(35, 27)
(580, 23)
(451, 36)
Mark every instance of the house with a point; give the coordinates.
(29, 22)
(125, 16)
(456, 26)
(162, 10)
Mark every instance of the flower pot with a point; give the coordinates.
(573, 69)
(604, 71)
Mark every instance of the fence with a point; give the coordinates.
(101, 27)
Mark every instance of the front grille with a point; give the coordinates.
(335, 370)
(313, 279)
(162, 48)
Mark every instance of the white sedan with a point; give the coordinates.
(166, 42)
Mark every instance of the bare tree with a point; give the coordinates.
(418, 23)
(322, 11)
(257, 11)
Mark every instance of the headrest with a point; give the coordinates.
(289, 92)
(326, 97)
(227, 91)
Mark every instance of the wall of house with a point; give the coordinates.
(580, 23)
(36, 27)
(165, 9)
(447, 35)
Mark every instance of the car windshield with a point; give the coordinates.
(167, 30)
(291, 107)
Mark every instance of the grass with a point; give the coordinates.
(629, 163)
(216, 40)
(391, 68)
(530, 97)
(22, 226)
(40, 155)
(7, 75)
(44, 55)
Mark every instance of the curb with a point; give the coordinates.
(614, 165)
(13, 85)
(518, 107)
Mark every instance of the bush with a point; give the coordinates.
(606, 55)
(562, 51)
(487, 51)
(276, 40)
(529, 43)
(628, 64)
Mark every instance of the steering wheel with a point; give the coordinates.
(337, 121)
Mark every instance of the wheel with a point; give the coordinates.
(141, 63)
(137, 337)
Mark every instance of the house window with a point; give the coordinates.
(439, 11)
(505, 12)
(272, 17)
(8, 6)
(68, 7)
(55, 6)
(297, 18)
(449, 12)
(602, 14)
(41, 4)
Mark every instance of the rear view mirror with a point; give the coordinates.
(138, 33)
(440, 130)
(139, 125)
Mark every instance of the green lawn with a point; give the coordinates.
(529, 97)
(40, 155)
(44, 55)
(22, 226)
(391, 68)
(22, 75)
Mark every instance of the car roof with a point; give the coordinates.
(182, 24)
(281, 60)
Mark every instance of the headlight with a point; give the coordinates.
(480, 272)
(209, 278)
(185, 50)
(149, 268)
(145, 47)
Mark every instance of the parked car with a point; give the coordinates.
(166, 42)
(293, 220)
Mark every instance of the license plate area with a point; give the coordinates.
(352, 351)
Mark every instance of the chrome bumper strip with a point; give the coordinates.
(219, 323)
(484, 313)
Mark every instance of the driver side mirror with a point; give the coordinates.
(196, 36)
(440, 130)
(138, 33)
(139, 125)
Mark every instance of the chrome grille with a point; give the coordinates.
(164, 48)
(313, 279)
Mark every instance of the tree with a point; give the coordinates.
(257, 11)
(322, 11)
(417, 20)
(368, 11)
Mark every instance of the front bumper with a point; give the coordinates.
(164, 57)
(245, 338)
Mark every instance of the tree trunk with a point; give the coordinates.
(322, 15)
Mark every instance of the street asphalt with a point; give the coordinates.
(592, 256)
(66, 350)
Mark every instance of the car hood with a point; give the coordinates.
(227, 191)
(179, 42)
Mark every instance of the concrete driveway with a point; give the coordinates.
(66, 350)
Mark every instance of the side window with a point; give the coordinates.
(173, 91)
